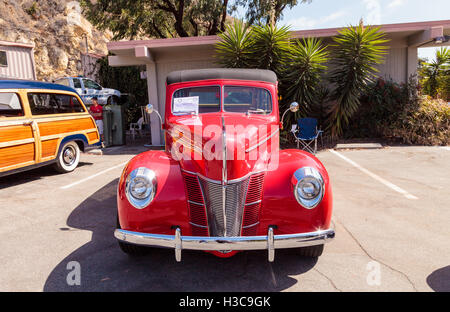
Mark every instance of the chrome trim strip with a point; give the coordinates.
(198, 225)
(220, 182)
(262, 142)
(224, 153)
(226, 243)
(202, 176)
(254, 203)
(246, 176)
(224, 176)
(251, 225)
(195, 203)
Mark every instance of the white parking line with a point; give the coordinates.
(92, 176)
(376, 177)
(446, 148)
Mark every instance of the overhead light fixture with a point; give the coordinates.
(441, 39)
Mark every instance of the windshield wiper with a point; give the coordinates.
(257, 111)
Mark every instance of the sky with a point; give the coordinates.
(341, 13)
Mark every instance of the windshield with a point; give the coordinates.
(89, 84)
(242, 99)
(237, 99)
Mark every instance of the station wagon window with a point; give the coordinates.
(77, 83)
(208, 99)
(242, 99)
(89, 84)
(10, 105)
(3, 59)
(53, 103)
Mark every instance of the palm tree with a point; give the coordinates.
(234, 49)
(263, 47)
(302, 76)
(356, 51)
(270, 47)
(434, 74)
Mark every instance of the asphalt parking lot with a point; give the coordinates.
(391, 216)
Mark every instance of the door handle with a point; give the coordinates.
(28, 123)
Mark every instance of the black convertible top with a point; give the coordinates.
(221, 73)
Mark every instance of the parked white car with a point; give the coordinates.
(88, 88)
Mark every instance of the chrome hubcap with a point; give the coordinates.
(69, 156)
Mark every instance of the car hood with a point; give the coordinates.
(201, 143)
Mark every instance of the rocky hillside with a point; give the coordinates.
(58, 31)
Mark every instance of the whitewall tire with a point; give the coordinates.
(68, 158)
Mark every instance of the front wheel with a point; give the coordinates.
(131, 249)
(68, 158)
(311, 251)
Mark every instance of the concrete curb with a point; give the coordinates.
(358, 146)
(95, 151)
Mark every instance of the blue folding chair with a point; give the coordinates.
(306, 133)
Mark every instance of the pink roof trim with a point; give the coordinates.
(210, 40)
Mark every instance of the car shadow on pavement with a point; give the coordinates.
(104, 267)
(32, 175)
(439, 280)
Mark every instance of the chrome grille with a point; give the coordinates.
(197, 211)
(253, 205)
(235, 195)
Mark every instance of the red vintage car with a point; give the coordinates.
(222, 184)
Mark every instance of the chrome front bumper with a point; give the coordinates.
(269, 242)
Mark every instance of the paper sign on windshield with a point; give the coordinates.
(186, 104)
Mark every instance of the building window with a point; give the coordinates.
(52, 103)
(3, 59)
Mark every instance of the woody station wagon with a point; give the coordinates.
(221, 185)
(42, 124)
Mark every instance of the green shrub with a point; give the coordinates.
(427, 123)
(381, 104)
(395, 112)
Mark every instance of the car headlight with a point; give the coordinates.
(308, 187)
(140, 187)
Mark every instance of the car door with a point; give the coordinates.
(81, 90)
(18, 133)
(93, 88)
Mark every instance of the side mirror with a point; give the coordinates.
(149, 108)
(293, 108)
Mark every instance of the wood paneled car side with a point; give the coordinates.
(42, 125)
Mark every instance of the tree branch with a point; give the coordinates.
(224, 15)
